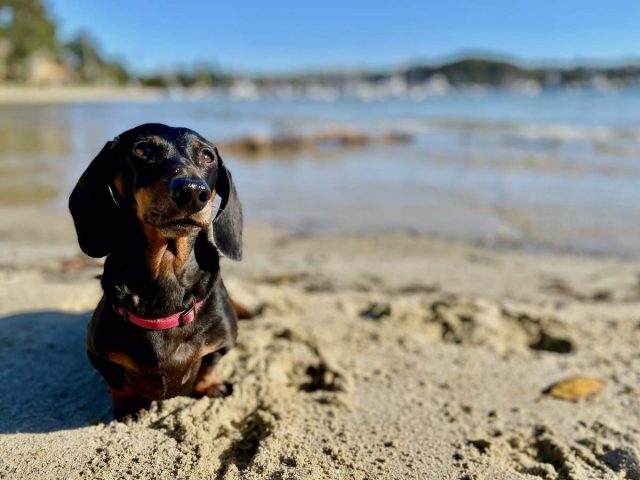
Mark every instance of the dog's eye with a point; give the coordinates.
(142, 150)
(206, 156)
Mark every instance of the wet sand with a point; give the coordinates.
(390, 356)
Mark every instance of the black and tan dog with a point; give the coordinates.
(160, 203)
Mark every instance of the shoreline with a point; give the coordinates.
(39, 213)
(19, 95)
(32, 94)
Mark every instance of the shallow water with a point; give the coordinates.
(560, 170)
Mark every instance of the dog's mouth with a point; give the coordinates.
(178, 226)
(176, 223)
(183, 223)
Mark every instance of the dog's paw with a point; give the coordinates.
(131, 409)
(219, 390)
(211, 385)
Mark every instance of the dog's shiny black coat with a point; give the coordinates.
(146, 202)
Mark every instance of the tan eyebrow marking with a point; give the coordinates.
(117, 184)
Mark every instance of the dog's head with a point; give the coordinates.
(172, 179)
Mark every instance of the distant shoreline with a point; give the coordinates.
(35, 95)
(16, 95)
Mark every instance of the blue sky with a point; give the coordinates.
(262, 36)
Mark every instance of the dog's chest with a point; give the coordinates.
(160, 366)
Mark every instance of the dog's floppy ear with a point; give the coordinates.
(227, 225)
(93, 206)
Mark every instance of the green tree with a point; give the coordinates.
(25, 29)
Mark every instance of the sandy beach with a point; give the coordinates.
(25, 95)
(392, 356)
(441, 256)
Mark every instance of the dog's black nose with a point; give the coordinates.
(189, 193)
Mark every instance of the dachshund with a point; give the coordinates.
(161, 205)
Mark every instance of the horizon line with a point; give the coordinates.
(434, 61)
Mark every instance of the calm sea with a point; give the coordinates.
(557, 171)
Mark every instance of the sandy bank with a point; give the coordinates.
(39, 95)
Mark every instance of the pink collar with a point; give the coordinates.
(176, 320)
